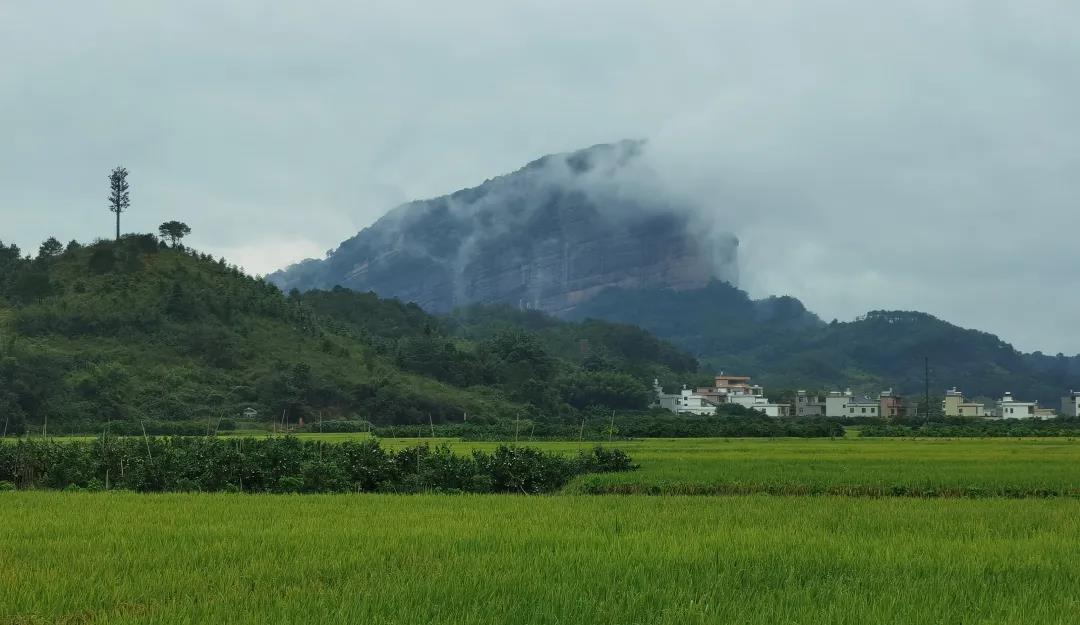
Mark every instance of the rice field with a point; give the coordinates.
(850, 466)
(931, 467)
(989, 532)
(967, 467)
(123, 558)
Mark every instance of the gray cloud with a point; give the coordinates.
(918, 155)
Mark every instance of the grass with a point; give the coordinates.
(125, 558)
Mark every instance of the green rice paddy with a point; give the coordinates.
(1027, 467)
(126, 558)
(998, 542)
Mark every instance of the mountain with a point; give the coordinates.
(592, 235)
(784, 346)
(548, 237)
(133, 331)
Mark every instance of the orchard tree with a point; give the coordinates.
(174, 231)
(119, 200)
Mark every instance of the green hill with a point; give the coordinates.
(135, 330)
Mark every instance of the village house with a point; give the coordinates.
(685, 401)
(891, 405)
(807, 405)
(862, 407)
(956, 405)
(728, 389)
(733, 389)
(836, 403)
(771, 409)
(1010, 408)
(737, 389)
(1070, 404)
(846, 404)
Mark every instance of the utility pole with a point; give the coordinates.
(926, 363)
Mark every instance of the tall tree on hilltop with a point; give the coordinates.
(174, 231)
(119, 201)
(51, 248)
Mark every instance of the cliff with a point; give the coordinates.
(548, 236)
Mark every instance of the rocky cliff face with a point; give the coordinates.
(549, 236)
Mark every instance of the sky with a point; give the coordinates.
(916, 155)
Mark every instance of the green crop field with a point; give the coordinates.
(988, 532)
(923, 467)
(967, 467)
(1027, 467)
(125, 558)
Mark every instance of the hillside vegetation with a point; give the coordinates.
(136, 330)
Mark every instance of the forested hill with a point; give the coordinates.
(786, 347)
(136, 330)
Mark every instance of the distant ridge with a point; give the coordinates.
(784, 346)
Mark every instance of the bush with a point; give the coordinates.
(633, 425)
(337, 425)
(602, 460)
(289, 465)
(966, 428)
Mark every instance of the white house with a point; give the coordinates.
(836, 403)
(1009, 408)
(845, 404)
(685, 402)
(748, 400)
(1070, 404)
(862, 407)
(773, 410)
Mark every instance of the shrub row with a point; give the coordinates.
(153, 427)
(600, 428)
(290, 465)
(980, 429)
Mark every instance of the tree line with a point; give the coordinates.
(963, 428)
(289, 465)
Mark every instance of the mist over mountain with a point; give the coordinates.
(548, 237)
(595, 234)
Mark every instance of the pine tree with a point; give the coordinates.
(51, 248)
(119, 199)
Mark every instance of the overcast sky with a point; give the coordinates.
(923, 155)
